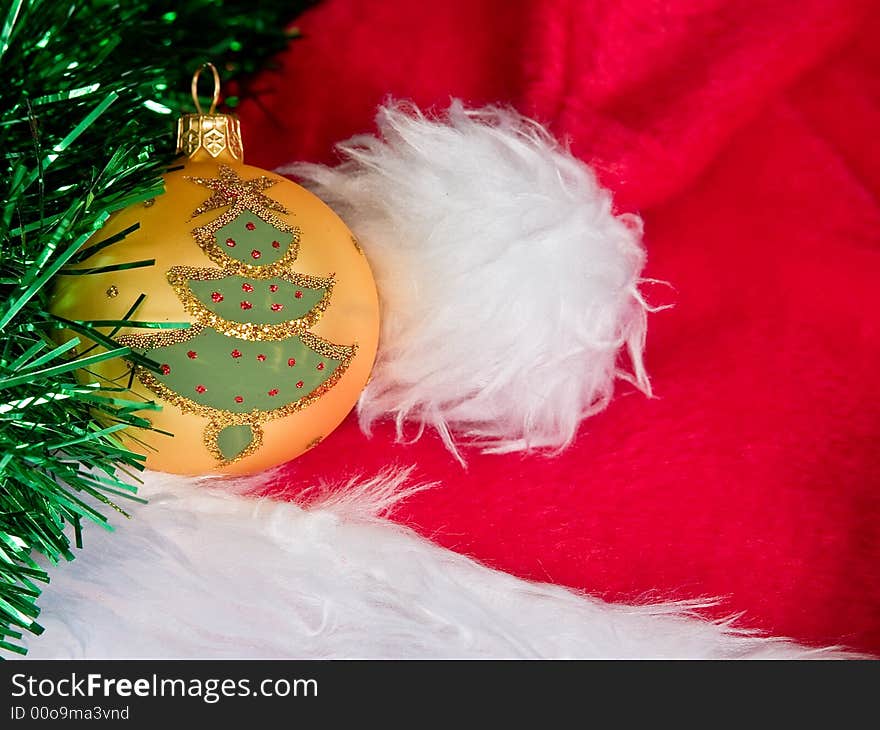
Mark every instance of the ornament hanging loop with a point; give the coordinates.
(208, 136)
(195, 87)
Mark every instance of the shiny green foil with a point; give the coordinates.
(89, 95)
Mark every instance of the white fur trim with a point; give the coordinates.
(508, 285)
(200, 573)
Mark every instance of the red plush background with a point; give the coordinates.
(745, 134)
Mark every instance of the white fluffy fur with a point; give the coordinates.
(508, 284)
(202, 573)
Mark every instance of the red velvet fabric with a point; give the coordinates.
(745, 134)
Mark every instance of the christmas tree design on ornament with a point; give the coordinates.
(248, 356)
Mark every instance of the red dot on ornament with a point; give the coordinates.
(239, 399)
(235, 353)
(274, 391)
(261, 358)
(247, 287)
(320, 366)
(166, 369)
(216, 296)
(246, 305)
(276, 307)
(298, 295)
(230, 242)
(249, 225)
(255, 254)
(192, 354)
(275, 244)
(291, 362)
(273, 288)
(200, 389)
(300, 384)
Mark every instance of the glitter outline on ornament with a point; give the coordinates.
(227, 188)
(179, 276)
(219, 419)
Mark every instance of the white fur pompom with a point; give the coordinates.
(508, 284)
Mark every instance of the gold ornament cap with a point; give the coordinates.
(209, 136)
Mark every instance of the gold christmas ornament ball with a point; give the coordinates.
(268, 307)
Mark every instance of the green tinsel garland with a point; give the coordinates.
(89, 94)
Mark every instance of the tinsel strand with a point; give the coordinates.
(89, 95)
